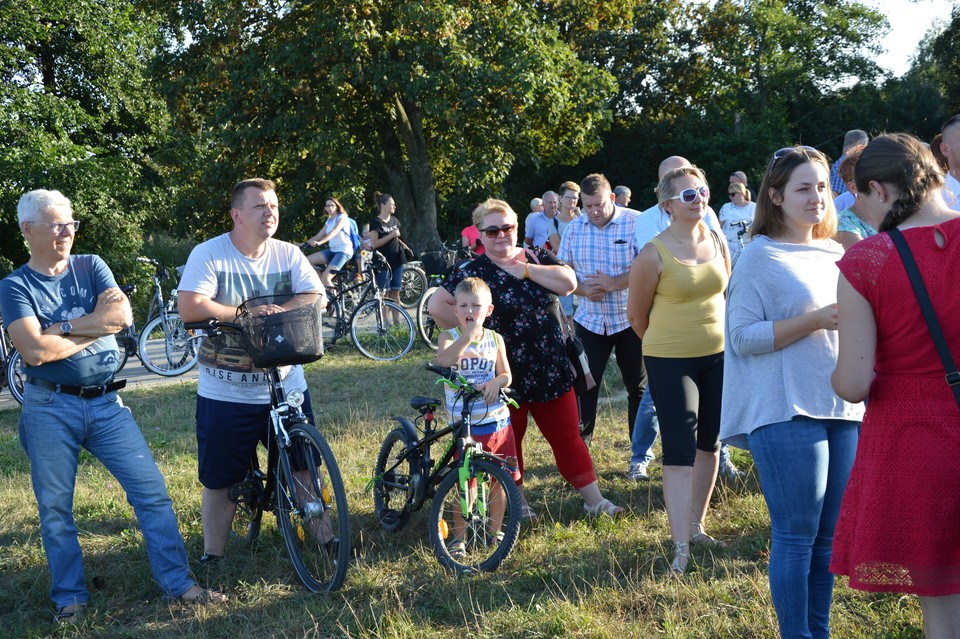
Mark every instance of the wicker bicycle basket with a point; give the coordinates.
(282, 330)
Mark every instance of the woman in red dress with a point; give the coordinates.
(899, 525)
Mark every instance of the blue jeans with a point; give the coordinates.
(803, 465)
(645, 429)
(53, 428)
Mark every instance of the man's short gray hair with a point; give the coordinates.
(32, 204)
(854, 137)
(622, 190)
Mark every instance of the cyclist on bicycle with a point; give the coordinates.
(336, 231)
(480, 356)
(233, 400)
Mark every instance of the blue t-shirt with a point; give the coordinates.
(57, 298)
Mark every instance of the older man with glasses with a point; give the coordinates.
(61, 312)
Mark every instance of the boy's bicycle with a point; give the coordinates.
(358, 310)
(475, 516)
(301, 483)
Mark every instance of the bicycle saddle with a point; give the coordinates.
(424, 404)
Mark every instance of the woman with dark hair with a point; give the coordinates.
(336, 231)
(675, 305)
(385, 237)
(525, 284)
(899, 529)
(781, 341)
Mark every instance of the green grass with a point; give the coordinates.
(567, 577)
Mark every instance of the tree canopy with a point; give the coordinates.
(145, 113)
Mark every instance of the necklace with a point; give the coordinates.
(679, 241)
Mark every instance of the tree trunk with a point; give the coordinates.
(408, 168)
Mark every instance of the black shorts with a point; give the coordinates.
(227, 437)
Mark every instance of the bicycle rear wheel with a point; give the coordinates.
(16, 375)
(249, 495)
(374, 335)
(312, 510)
(481, 532)
(392, 481)
(170, 349)
(413, 283)
(428, 329)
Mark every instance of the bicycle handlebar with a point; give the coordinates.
(454, 379)
(211, 326)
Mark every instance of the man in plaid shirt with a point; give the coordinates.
(600, 248)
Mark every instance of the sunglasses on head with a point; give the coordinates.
(493, 232)
(787, 150)
(689, 196)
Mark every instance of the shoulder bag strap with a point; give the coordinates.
(926, 306)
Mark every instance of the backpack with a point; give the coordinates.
(355, 235)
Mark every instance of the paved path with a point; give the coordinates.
(136, 375)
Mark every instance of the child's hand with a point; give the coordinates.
(491, 389)
(473, 330)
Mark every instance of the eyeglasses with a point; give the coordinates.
(689, 196)
(571, 198)
(732, 193)
(493, 232)
(58, 227)
(788, 150)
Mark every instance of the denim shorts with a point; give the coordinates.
(335, 260)
(227, 437)
(394, 283)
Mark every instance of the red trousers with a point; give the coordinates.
(559, 421)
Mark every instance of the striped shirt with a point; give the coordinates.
(610, 250)
(478, 365)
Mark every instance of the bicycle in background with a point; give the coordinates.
(359, 311)
(474, 520)
(301, 483)
(164, 346)
(438, 265)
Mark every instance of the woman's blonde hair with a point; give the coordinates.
(768, 218)
(740, 188)
(665, 189)
(489, 206)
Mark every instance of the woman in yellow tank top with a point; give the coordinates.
(676, 306)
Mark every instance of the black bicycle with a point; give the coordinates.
(358, 310)
(438, 265)
(301, 483)
(475, 517)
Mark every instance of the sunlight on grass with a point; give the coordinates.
(567, 577)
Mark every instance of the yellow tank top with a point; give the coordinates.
(686, 319)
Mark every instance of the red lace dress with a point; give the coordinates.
(899, 525)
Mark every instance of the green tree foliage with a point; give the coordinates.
(429, 101)
(946, 53)
(79, 116)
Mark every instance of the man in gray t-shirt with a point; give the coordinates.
(233, 399)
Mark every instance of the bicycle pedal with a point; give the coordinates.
(244, 491)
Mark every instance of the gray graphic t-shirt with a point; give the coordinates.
(218, 270)
(56, 298)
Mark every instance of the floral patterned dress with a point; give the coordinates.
(527, 316)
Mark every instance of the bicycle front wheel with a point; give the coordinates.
(167, 348)
(428, 329)
(16, 375)
(382, 330)
(413, 283)
(474, 525)
(312, 510)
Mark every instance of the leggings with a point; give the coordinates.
(686, 392)
(559, 421)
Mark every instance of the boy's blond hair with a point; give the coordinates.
(473, 286)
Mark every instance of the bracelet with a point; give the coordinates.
(526, 271)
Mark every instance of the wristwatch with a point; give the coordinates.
(66, 328)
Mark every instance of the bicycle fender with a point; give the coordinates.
(408, 428)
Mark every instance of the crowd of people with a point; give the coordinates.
(784, 325)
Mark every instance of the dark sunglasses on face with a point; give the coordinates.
(493, 232)
(787, 150)
(732, 193)
(689, 196)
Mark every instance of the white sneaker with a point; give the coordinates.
(637, 471)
